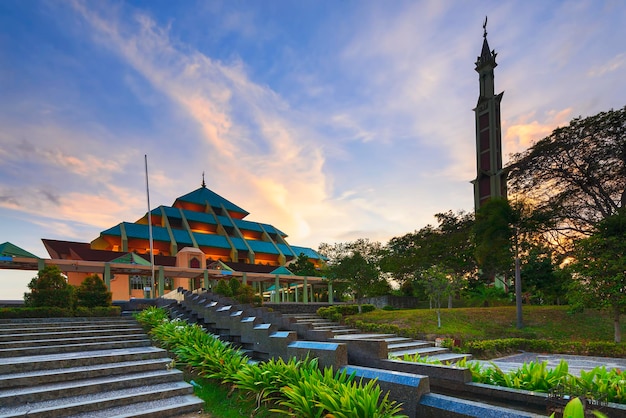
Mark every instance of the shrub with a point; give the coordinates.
(327, 393)
(223, 289)
(50, 288)
(93, 292)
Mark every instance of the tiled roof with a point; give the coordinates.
(11, 250)
(203, 195)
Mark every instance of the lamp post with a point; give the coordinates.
(518, 283)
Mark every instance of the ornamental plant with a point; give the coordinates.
(276, 381)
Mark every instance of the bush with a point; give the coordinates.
(50, 288)
(223, 289)
(56, 312)
(337, 312)
(37, 312)
(297, 385)
(500, 347)
(93, 292)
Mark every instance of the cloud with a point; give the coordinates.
(614, 64)
(525, 130)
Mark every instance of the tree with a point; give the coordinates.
(493, 238)
(600, 269)
(577, 174)
(438, 285)
(354, 267)
(303, 267)
(49, 288)
(93, 292)
(448, 245)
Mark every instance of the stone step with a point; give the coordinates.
(407, 345)
(40, 393)
(330, 326)
(342, 331)
(69, 325)
(71, 348)
(15, 380)
(423, 352)
(81, 358)
(88, 404)
(450, 357)
(162, 408)
(63, 333)
(357, 336)
(52, 339)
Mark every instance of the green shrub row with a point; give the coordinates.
(335, 313)
(56, 312)
(497, 348)
(295, 388)
(599, 383)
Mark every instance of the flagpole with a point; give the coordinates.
(149, 228)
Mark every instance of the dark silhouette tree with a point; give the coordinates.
(577, 174)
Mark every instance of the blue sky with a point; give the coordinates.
(331, 120)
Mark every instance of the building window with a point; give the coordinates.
(137, 282)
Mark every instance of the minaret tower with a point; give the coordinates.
(490, 180)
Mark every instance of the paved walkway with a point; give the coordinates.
(575, 363)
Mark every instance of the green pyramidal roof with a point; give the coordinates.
(202, 196)
(11, 250)
(131, 258)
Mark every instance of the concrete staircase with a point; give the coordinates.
(397, 346)
(87, 367)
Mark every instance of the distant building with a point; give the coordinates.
(200, 230)
(490, 179)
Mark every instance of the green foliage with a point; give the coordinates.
(151, 317)
(354, 268)
(499, 347)
(600, 267)
(484, 296)
(492, 234)
(336, 313)
(303, 267)
(274, 380)
(576, 174)
(56, 312)
(449, 245)
(223, 289)
(50, 288)
(93, 292)
(41, 312)
(234, 285)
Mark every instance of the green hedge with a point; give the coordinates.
(56, 312)
(337, 312)
(497, 348)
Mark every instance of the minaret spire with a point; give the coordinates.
(490, 179)
(203, 183)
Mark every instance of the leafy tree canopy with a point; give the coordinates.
(600, 268)
(93, 292)
(50, 288)
(577, 174)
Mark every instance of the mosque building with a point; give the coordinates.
(201, 230)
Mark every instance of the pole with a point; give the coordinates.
(149, 225)
(518, 284)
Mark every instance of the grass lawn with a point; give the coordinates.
(218, 402)
(540, 322)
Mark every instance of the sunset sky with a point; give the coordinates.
(331, 120)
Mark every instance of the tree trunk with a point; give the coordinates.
(616, 325)
(450, 301)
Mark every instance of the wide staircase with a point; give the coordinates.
(398, 346)
(86, 367)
